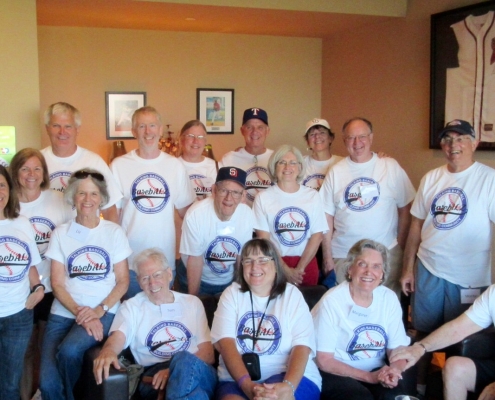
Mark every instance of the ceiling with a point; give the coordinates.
(296, 18)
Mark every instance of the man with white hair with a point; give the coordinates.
(64, 156)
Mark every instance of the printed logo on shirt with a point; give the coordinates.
(314, 181)
(368, 341)
(89, 263)
(59, 180)
(291, 226)
(221, 254)
(15, 259)
(356, 197)
(257, 179)
(449, 208)
(150, 193)
(269, 336)
(200, 188)
(43, 229)
(167, 338)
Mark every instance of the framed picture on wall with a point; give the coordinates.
(119, 109)
(463, 71)
(215, 108)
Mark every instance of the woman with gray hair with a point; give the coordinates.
(89, 275)
(291, 216)
(357, 325)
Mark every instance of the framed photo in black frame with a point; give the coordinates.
(215, 108)
(119, 109)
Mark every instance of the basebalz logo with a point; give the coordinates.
(59, 180)
(89, 263)
(368, 341)
(449, 208)
(257, 179)
(291, 226)
(314, 181)
(265, 336)
(200, 188)
(221, 254)
(150, 193)
(167, 338)
(43, 228)
(15, 259)
(354, 198)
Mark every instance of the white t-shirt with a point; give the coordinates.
(219, 242)
(18, 252)
(317, 170)
(359, 336)
(291, 218)
(152, 189)
(61, 168)
(202, 176)
(89, 273)
(482, 311)
(287, 323)
(182, 325)
(46, 213)
(456, 236)
(256, 168)
(364, 198)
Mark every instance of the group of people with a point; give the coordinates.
(105, 234)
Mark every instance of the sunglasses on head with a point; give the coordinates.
(82, 174)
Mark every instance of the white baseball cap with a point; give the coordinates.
(317, 121)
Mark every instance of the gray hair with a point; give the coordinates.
(73, 186)
(152, 253)
(146, 110)
(62, 108)
(278, 154)
(357, 249)
(350, 121)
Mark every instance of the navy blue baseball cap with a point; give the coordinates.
(458, 126)
(232, 174)
(252, 113)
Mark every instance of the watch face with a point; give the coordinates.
(105, 307)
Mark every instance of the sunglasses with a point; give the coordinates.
(82, 174)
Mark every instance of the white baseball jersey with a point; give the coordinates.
(470, 93)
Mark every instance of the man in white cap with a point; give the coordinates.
(253, 157)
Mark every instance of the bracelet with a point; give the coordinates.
(242, 379)
(291, 386)
(37, 286)
(423, 346)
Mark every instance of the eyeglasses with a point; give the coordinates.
(82, 174)
(291, 163)
(224, 192)
(316, 133)
(156, 276)
(449, 140)
(190, 136)
(361, 138)
(249, 262)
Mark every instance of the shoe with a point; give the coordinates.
(37, 396)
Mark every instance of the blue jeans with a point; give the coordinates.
(204, 288)
(62, 354)
(15, 331)
(190, 378)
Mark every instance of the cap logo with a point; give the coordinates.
(315, 121)
(255, 111)
(233, 172)
(455, 122)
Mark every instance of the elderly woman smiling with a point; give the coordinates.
(357, 324)
(291, 216)
(89, 275)
(263, 331)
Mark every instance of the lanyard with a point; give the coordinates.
(257, 332)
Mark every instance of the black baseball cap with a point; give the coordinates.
(232, 174)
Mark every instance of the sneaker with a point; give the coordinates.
(37, 396)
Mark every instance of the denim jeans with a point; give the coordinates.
(190, 378)
(62, 354)
(204, 288)
(15, 331)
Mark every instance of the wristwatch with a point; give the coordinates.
(104, 307)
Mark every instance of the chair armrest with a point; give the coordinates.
(116, 387)
(479, 345)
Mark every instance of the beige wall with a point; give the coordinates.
(382, 73)
(281, 75)
(19, 83)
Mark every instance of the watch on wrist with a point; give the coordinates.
(104, 307)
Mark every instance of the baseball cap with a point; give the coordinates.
(317, 121)
(458, 126)
(255, 112)
(232, 174)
